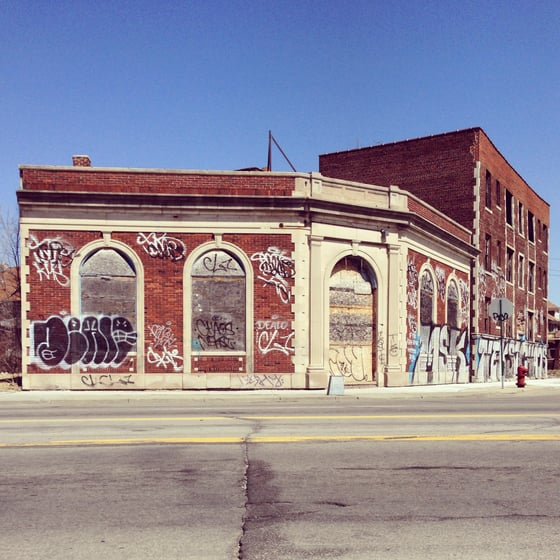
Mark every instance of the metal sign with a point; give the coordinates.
(500, 309)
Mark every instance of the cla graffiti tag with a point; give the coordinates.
(270, 339)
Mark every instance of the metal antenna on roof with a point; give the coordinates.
(271, 139)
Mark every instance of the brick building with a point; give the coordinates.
(463, 175)
(143, 278)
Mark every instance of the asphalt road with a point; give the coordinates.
(251, 477)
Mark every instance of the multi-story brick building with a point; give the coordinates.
(142, 278)
(463, 175)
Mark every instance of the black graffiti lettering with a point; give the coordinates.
(93, 341)
(215, 333)
(212, 264)
(107, 380)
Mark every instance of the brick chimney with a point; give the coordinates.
(81, 161)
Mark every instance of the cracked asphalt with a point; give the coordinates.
(459, 475)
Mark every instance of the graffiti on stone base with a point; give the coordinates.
(163, 350)
(93, 341)
(264, 381)
(350, 361)
(51, 257)
(107, 380)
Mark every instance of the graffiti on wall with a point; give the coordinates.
(352, 362)
(93, 341)
(271, 380)
(488, 360)
(107, 380)
(440, 282)
(491, 285)
(438, 354)
(162, 246)
(412, 284)
(274, 335)
(163, 350)
(216, 262)
(216, 333)
(51, 257)
(465, 299)
(276, 269)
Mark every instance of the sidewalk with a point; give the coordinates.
(417, 391)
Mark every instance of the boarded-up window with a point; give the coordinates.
(352, 321)
(108, 285)
(218, 303)
(453, 305)
(426, 298)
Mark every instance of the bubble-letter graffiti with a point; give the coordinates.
(102, 341)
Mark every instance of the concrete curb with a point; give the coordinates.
(419, 391)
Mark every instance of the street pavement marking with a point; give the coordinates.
(230, 417)
(288, 439)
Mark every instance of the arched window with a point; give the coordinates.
(105, 331)
(453, 305)
(108, 285)
(426, 298)
(353, 321)
(218, 300)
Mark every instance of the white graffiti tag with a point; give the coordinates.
(163, 351)
(51, 257)
(276, 269)
(271, 339)
(162, 246)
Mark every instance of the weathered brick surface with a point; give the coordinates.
(441, 170)
(163, 299)
(438, 169)
(98, 180)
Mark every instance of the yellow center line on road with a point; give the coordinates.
(286, 439)
(230, 417)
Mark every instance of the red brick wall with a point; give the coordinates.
(435, 168)
(493, 222)
(93, 179)
(163, 300)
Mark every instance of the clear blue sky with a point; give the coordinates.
(198, 84)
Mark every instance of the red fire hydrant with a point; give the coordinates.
(521, 373)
